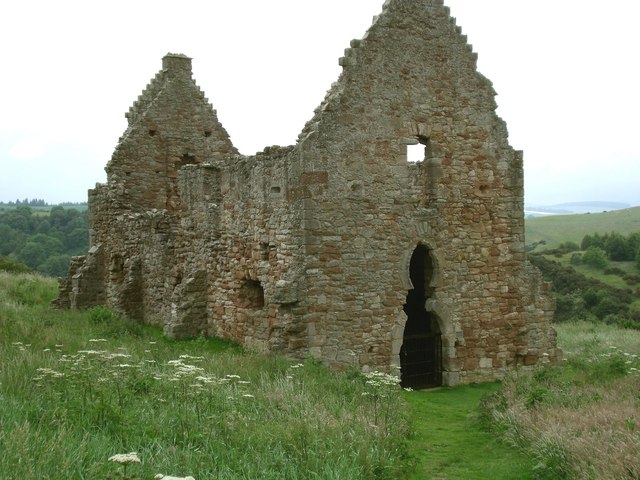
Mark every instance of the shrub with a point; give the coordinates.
(101, 314)
(8, 264)
(592, 297)
(114, 325)
(596, 257)
(614, 271)
(569, 246)
(608, 306)
(576, 259)
(631, 279)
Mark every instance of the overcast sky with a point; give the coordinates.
(566, 71)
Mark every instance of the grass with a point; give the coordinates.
(578, 420)
(74, 392)
(79, 387)
(557, 229)
(450, 441)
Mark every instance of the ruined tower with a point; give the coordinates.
(336, 247)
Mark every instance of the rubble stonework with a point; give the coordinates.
(337, 247)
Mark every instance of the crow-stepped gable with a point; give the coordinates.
(337, 247)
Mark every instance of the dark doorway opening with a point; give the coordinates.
(421, 352)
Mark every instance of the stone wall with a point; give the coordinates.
(307, 249)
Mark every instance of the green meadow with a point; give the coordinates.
(556, 229)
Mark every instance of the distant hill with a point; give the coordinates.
(573, 207)
(555, 229)
(45, 208)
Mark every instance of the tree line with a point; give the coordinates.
(43, 242)
(34, 202)
(618, 247)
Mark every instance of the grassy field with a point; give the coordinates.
(77, 388)
(561, 228)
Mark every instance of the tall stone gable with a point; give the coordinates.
(336, 247)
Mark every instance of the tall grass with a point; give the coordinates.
(580, 420)
(77, 388)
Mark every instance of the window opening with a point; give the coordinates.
(419, 151)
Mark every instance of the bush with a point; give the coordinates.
(608, 306)
(101, 314)
(10, 265)
(596, 257)
(569, 246)
(579, 297)
(576, 259)
(614, 271)
(113, 324)
(631, 279)
(592, 297)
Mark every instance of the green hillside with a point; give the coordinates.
(561, 228)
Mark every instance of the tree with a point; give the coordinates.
(33, 254)
(617, 248)
(10, 239)
(569, 246)
(55, 265)
(10, 265)
(596, 257)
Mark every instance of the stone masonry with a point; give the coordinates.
(336, 247)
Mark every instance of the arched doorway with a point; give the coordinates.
(421, 351)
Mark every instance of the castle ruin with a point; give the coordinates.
(336, 247)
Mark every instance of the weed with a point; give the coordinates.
(78, 387)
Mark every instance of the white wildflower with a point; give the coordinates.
(96, 340)
(125, 458)
(247, 395)
(205, 379)
(111, 356)
(232, 376)
(48, 371)
(160, 476)
(189, 357)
